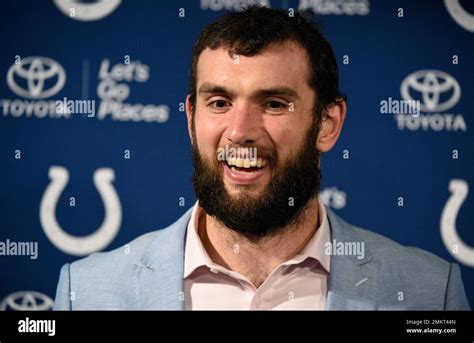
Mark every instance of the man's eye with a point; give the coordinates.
(276, 105)
(219, 104)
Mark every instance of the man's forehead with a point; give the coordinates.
(281, 63)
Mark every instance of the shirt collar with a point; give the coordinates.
(316, 247)
(196, 255)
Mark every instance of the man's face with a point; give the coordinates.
(264, 103)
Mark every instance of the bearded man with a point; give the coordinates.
(263, 105)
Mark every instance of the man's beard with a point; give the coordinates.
(281, 202)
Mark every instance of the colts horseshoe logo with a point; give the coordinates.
(455, 245)
(74, 245)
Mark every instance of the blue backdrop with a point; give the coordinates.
(122, 166)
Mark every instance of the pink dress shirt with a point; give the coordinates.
(297, 284)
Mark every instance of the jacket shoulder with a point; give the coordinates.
(109, 280)
(105, 280)
(411, 258)
(122, 260)
(411, 278)
(406, 277)
(117, 261)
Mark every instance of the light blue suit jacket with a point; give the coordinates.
(147, 274)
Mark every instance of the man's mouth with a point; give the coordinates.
(246, 165)
(245, 171)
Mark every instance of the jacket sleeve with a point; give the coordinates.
(455, 295)
(63, 296)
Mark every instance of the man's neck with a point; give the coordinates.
(257, 257)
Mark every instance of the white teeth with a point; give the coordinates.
(246, 163)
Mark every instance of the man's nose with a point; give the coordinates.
(244, 126)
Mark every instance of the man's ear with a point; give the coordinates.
(331, 125)
(189, 113)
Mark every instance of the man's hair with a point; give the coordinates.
(249, 32)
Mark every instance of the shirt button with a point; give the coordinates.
(258, 303)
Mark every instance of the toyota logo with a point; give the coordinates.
(431, 85)
(27, 301)
(36, 77)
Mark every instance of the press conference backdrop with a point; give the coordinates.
(94, 149)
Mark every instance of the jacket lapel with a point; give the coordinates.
(160, 272)
(352, 281)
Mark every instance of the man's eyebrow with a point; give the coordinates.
(212, 88)
(285, 91)
(274, 91)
